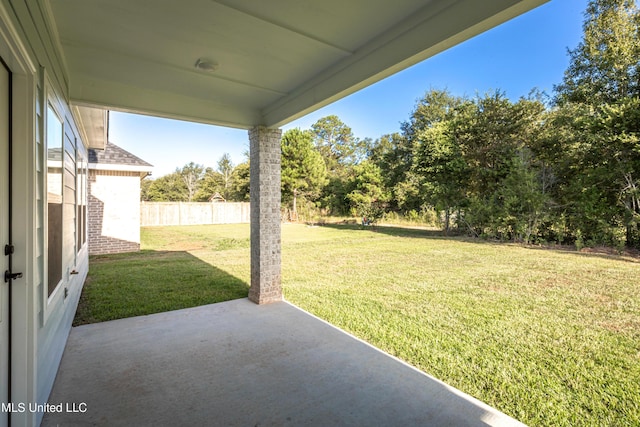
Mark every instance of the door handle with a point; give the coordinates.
(11, 276)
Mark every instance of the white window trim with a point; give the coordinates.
(57, 297)
(82, 172)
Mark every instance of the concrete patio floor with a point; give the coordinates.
(240, 364)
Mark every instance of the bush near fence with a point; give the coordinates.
(183, 213)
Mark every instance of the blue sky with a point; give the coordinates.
(525, 53)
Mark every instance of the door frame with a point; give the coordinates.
(5, 309)
(24, 76)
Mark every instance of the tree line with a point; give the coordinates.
(562, 168)
(198, 183)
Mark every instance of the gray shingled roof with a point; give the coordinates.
(54, 154)
(114, 155)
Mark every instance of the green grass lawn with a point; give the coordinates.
(549, 337)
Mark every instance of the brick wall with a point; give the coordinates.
(114, 212)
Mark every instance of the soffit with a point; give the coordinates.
(277, 59)
(93, 124)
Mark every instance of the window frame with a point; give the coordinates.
(52, 101)
(82, 162)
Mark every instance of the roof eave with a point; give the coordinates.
(93, 124)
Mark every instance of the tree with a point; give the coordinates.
(521, 199)
(240, 183)
(211, 183)
(340, 151)
(437, 159)
(145, 185)
(191, 175)
(394, 154)
(303, 170)
(366, 191)
(436, 106)
(439, 162)
(225, 169)
(335, 142)
(489, 130)
(495, 136)
(167, 188)
(471, 158)
(604, 67)
(601, 88)
(616, 140)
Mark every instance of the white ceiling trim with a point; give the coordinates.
(45, 6)
(134, 99)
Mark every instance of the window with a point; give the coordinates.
(55, 156)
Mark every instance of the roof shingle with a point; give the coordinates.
(114, 155)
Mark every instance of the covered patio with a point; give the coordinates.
(249, 64)
(241, 364)
(253, 65)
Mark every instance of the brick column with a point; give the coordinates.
(265, 215)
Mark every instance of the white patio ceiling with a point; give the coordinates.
(276, 59)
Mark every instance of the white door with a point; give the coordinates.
(4, 239)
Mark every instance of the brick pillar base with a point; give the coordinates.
(265, 215)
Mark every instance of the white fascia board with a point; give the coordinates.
(440, 25)
(130, 99)
(120, 168)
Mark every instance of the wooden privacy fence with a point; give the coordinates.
(183, 213)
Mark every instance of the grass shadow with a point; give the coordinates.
(149, 281)
(597, 252)
(397, 231)
(421, 233)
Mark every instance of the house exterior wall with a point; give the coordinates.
(42, 309)
(57, 297)
(114, 212)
